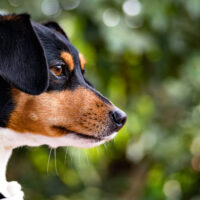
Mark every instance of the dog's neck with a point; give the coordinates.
(5, 154)
(6, 106)
(6, 102)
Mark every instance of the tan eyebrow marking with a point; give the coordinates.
(10, 17)
(82, 60)
(67, 57)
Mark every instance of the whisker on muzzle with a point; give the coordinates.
(55, 163)
(49, 157)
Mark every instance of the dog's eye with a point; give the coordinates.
(57, 70)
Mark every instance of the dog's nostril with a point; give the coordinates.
(119, 117)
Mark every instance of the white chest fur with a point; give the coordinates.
(5, 154)
(11, 190)
(10, 140)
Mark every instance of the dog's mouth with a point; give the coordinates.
(84, 136)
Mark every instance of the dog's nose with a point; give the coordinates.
(118, 117)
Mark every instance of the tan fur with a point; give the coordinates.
(79, 110)
(67, 57)
(82, 60)
(9, 17)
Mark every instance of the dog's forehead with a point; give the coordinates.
(55, 43)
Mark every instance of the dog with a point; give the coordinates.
(45, 98)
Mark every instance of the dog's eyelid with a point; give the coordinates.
(57, 63)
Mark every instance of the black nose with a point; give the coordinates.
(118, 117)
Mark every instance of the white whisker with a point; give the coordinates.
(66, 152)
(55, 162)
(49, 157)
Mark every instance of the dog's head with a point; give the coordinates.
(42, 75)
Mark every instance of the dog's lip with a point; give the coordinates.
(81, 135)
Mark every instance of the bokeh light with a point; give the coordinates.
(70, 4)
(172, 190)
(50, 7)
(144, 56)
(111, 17)
(132, 7)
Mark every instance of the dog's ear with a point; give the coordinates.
(55, 26)
(22, 58)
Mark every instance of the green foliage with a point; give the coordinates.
(149, 65)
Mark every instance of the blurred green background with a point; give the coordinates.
(144, 56)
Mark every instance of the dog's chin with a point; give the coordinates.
(83, 141)
(15, 139)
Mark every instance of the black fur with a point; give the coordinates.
(1, 196)
(27, 51)
(54, 42)
(6, 103)
(22, 58)
(56, 27)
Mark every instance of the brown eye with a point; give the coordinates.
(57, 70)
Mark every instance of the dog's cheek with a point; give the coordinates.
(79, 110)
(32, 114)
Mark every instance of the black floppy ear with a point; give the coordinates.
(22, 58)
(55, 26)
